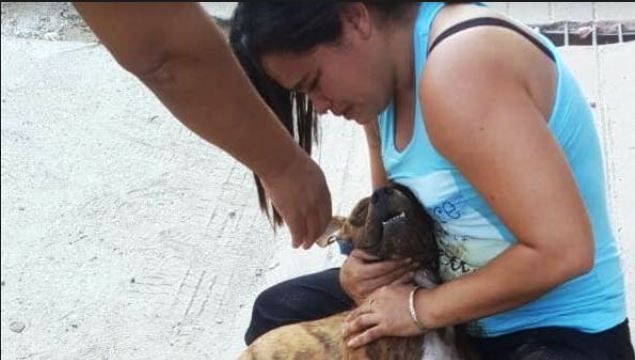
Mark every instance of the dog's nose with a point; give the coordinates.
(380, 195)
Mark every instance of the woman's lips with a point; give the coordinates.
(347, 112)
(342, 111)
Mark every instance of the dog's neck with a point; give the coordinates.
(426, 278)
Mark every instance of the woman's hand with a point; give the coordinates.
(301, 196)
(362, 273)
(385, 313)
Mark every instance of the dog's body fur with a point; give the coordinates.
(391, 223)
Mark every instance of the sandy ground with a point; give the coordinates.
(124, 236)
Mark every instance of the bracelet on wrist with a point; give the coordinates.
(413, 311)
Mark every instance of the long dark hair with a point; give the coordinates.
(265, 27)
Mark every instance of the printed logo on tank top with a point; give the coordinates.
(448, 210)
(467, 239)
(460, 254)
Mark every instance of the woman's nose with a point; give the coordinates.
(381, 194)
(320, 103)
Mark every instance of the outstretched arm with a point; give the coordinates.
(179, 53)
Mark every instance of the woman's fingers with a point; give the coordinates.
(405, 278)
(384, 314)
(297, 227)
(383, 268)
(360, 322)
(387, 279)
(302, 198)
(317, 222)
(359, 278)
(373, 267)
(312, 223)
(366, 337)
(363, 325)
(363, 255)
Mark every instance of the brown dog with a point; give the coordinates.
(389, 223)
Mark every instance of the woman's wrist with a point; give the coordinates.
(413, 311)
(423, 307)
(281, 166)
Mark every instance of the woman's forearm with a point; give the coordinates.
(211, 95)
(517, 276)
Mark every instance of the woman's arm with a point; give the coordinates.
(499, 140)
(177, 51)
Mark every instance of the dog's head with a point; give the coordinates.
(389, 223)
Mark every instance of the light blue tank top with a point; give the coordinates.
(469, 232)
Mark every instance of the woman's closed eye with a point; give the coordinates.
(314, 83)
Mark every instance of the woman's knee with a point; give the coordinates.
(305, 298)
(274, 307)
(280, 301)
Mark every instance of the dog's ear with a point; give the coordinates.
(332, 230)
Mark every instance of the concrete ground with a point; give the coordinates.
(124, 236)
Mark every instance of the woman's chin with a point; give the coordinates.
(363, 120)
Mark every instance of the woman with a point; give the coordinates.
(482, 120)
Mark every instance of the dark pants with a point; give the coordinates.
(319, 295)
(557, 343)
(308, 297)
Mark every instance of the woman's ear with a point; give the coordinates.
(356, 19)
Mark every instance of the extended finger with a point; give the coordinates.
(405, 278)
(311, 227)
(323, 221)
(297, 227)
(360, 324)
(389, 278)
(382, 268)
(363, 255)
(359, 311)
(368, 336)
(316, 225)
(325, 212)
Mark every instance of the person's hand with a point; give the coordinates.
(300, 195)
(361, 274)
(385, 313)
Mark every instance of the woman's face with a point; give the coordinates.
(350, 78)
